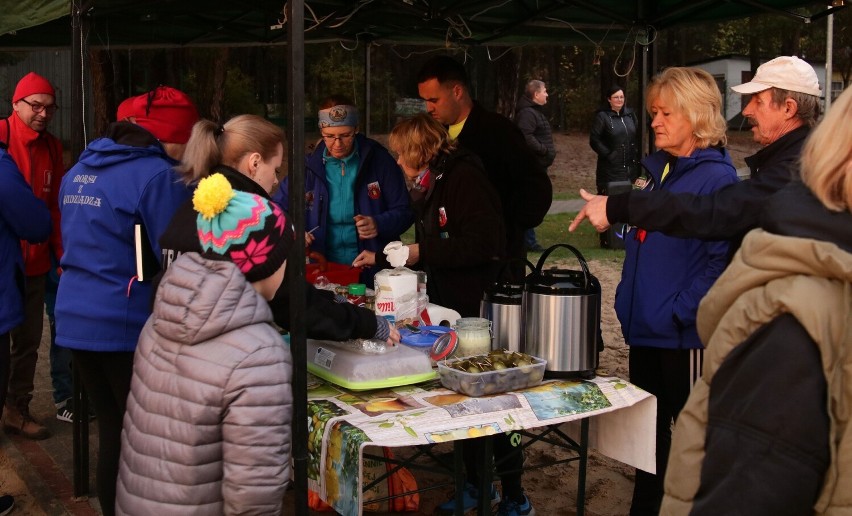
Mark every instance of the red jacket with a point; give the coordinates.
(39, 156)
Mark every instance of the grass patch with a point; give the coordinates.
(554, 230)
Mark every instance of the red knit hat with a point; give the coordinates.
(31, 84)
(167, 113)
(125, 110)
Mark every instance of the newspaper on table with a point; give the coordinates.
(341, 423)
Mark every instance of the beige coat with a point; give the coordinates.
(770, 276)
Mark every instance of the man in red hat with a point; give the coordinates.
(38, 154)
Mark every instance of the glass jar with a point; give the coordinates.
(474, 336)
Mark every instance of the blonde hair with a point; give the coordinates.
(827, 156)
(419, 140)
(210, 145)
(695, 94)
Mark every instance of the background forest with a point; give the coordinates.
(229, 81)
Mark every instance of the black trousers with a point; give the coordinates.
(106, 378)
(509, 458)
(5, 366)
(668, 374)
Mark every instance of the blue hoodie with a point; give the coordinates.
(22, 217)
(380, 193)
(120, 180)
(664, 278)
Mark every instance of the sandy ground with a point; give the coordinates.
(552, 490)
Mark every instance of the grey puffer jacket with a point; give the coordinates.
(207, 427)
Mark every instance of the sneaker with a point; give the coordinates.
(19, 421)
(512, 508)
(64, 412)
(7, 503)
(470, 499)
(535, 248)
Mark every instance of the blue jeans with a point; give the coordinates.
(60, 358)
(529, 238)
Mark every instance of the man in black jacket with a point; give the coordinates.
(784, 105)
(538, 135)
(520, 179)
(525, 193)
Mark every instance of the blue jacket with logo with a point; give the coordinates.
(664, 278)
(22, 217)
(121, 180)
(380, 192)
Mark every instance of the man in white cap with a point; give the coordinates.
(783, 108)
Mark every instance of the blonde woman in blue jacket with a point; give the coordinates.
(664, 278)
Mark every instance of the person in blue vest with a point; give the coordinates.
(355, 195)
(22, 217)
(122, 180)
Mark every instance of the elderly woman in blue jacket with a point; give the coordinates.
(664, 278)
(355, 195)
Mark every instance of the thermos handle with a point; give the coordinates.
(583, 264)
(506, 263)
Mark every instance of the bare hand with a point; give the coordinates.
(394, 336)
(413, 254)
(366, 227)
(309, 239)
(365, 259)
(594, 210)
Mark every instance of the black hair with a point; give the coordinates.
(615, 88)
(444, 69)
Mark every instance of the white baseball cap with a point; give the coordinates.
(785, 73)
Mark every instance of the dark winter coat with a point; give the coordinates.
(324, 317)
(727, 214)
(613, 138)
(664, 278)
(207, 428)
(22, 217)
(522, 183)
(766, 429)
(121, 180)
(536, 130)
(458, 225)
(380, 193)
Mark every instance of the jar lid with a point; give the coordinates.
(444, 346)
(357, 289)
(472, 323)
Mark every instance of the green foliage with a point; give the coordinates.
(554, 230)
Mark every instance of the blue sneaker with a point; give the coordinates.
(470, 497)
(512, 508)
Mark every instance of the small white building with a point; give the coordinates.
(732, 70)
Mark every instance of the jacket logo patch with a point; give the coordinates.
(374, 190)
(442, 216)
(309, 200)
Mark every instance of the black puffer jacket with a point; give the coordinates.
(536, 129)
(613, 138)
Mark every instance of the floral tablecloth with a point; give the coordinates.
(341, 423)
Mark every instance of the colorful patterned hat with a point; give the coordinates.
(246, 229)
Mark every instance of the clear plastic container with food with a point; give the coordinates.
(492, 373)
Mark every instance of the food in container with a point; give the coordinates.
(474, 336)
(491, 373)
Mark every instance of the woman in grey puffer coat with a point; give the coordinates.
(207, 427)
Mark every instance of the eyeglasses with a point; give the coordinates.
(330, 138)
(38, 108)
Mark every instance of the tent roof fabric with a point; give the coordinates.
(177, 23)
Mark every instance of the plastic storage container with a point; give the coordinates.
(358, 370)
(491, 382)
